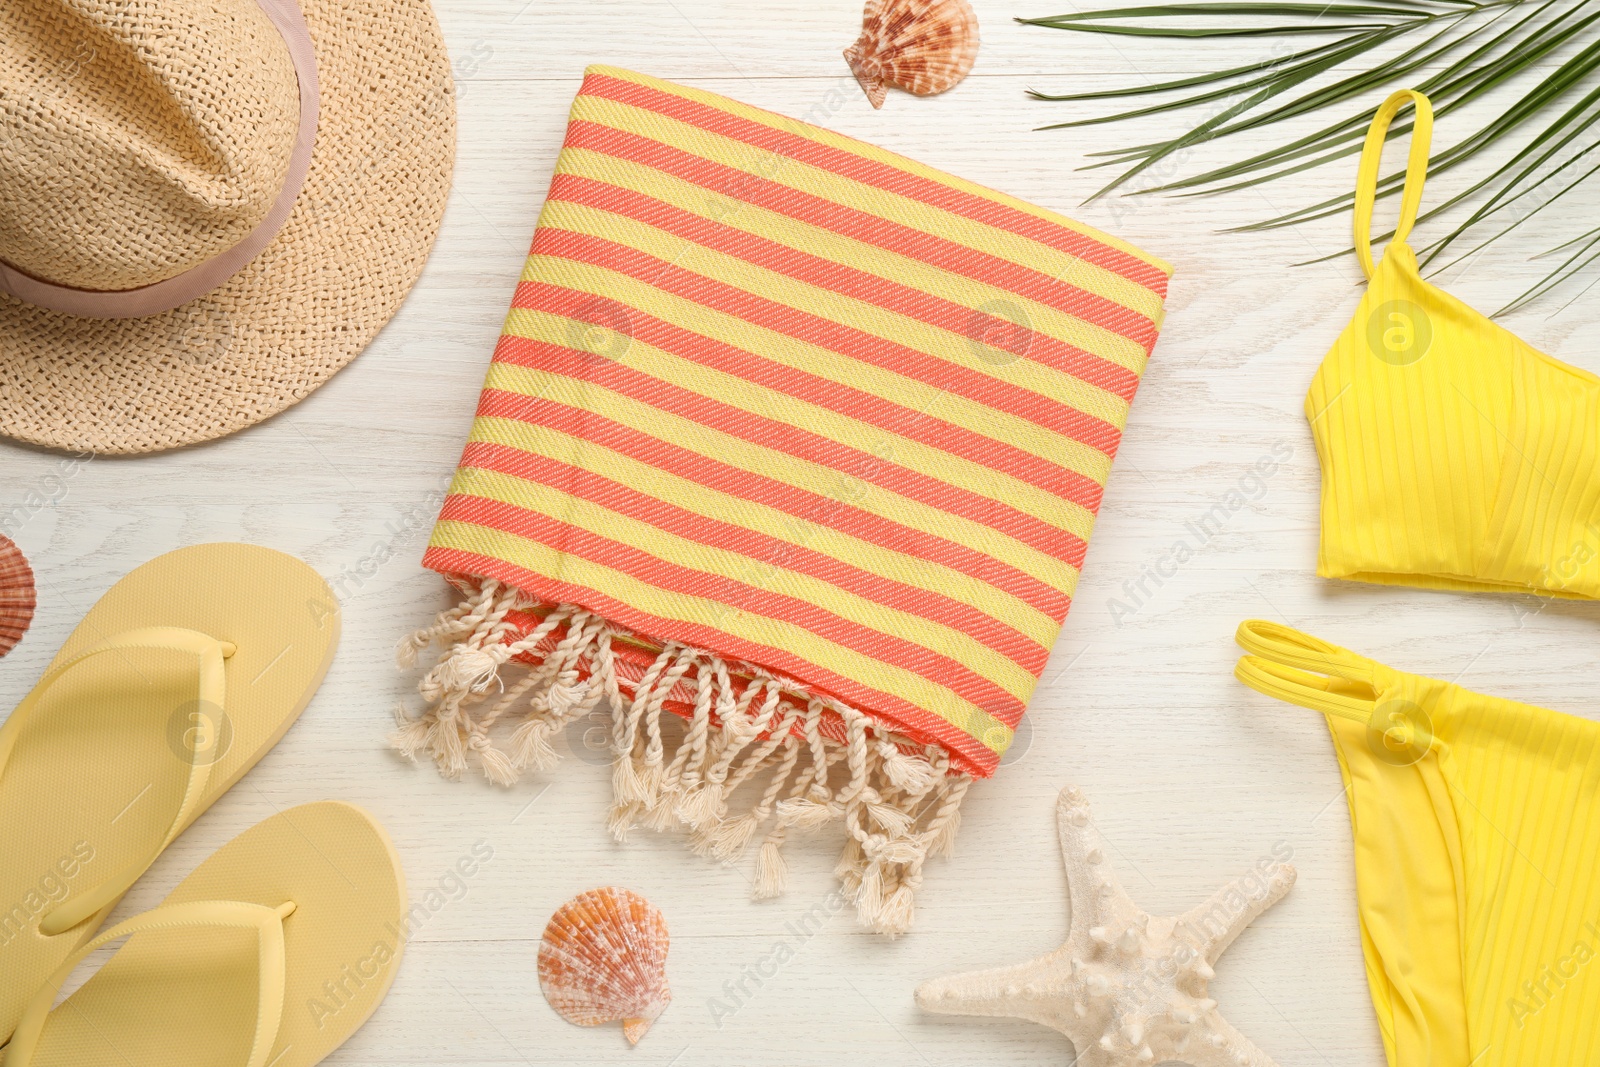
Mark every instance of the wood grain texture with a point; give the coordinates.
(1192, 776)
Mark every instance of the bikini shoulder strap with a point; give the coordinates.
(1304, 670)
(1372, 160)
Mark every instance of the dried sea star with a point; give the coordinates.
(1128, 988)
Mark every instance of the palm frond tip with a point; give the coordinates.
(1538, 58)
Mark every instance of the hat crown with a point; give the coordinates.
(138, 138)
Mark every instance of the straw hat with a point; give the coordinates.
(206, 206)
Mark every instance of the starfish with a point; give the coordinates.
(1128, 988)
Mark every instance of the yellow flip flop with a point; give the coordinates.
(273, 952)
(178, 681)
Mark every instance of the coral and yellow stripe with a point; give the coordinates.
(776, 394)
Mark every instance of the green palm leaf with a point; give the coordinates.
(1538, 58)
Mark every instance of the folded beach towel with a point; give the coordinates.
(792, 437)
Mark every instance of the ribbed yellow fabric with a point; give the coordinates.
(1453, 455)
(1477, 855)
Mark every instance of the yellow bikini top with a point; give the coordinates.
(1454, 456)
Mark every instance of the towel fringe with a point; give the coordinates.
(898, 801)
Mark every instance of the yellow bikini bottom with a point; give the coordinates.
(1477, 853)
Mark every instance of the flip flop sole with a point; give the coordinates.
(101, 764)
(188, 998)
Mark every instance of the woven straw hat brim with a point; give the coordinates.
(352, 248)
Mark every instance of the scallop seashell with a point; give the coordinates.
(604, 958)
(17, 596)
(922, 46)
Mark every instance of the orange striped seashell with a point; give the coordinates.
(604, 959)
(17, 596)
(921, 46)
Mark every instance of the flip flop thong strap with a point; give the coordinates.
(211, 691)
(271, 968)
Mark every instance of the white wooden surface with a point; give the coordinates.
(1193, 777)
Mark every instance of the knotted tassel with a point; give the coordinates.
(464, 669)
(896, 913)
(530, 746)
(742, 721)
(772, 870)
(905, 773)
(496, 767)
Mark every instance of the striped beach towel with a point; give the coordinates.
(780, 482)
